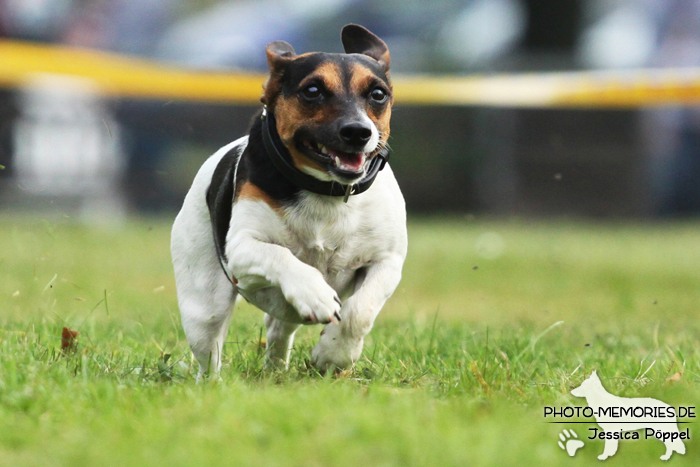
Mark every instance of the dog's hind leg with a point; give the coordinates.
(204, 293)
(671, 446)
(280, 339)
(206, 319)
(678, 446)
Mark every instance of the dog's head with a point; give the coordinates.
(589, 385)
(332, 110)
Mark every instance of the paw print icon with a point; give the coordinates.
(569, 442)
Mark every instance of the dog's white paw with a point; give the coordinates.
(313, 298)
(336, 351)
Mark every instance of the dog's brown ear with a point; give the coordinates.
(359, 40)
(279, 55)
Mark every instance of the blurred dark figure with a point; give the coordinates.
(7, 110)
(23, 20)
(132, 27)
(3, 19)
(676, 132)
(685, 175)
(35, 20)
(7, 117)
(124, 26)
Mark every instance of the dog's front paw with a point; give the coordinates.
(313, 298)
(336, 351)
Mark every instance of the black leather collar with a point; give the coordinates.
(282, 159)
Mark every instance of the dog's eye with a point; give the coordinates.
(379, 95)
(311, 93)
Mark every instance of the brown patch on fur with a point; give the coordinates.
(382, 122)
(271, 88)
(252, 192)
(277, 64)
(290, 116)
(362, 78)
(301, 161)
(330, 74)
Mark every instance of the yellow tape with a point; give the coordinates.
(125, 76)
(132, 77)
(636, 88)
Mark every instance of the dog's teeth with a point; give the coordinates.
(337, 160)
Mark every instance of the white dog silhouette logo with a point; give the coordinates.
(617, 415)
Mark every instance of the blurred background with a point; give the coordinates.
(68, 148)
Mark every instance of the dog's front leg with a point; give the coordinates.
(341, 343)
(264, 270)
(609, 449)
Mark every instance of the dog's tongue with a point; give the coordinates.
(352, 162)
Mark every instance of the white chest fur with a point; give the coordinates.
(324, 233)
(334, 237)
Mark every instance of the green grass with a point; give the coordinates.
(456, 371)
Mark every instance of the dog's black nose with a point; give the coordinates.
(355, 134)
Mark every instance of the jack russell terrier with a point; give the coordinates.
(303, 217)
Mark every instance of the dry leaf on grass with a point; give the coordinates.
(675, 377)
(69, 339)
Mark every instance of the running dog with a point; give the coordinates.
(303, 216)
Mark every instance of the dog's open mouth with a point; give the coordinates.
(348, 162)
